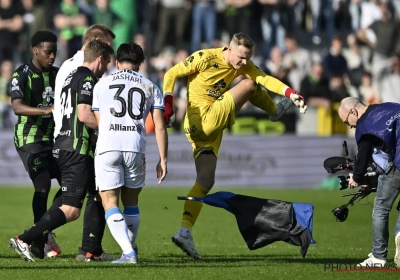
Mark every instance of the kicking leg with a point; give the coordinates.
(248, 90)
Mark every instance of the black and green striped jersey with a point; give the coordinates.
(75, 135)
(36, 89)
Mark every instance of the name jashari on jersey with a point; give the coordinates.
(124, 100)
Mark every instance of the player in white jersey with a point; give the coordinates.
(121, 103)
(93, 224)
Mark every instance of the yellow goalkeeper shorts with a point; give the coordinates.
(204, 125)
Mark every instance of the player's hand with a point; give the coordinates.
(169, 109)
(48, 111)
(297, 99)
(161, 171)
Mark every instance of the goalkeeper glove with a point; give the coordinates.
(169, 109)
(297, 99)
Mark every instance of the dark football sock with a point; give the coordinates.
(57, 202)
(86, 224)
(57, 195)
(50, 221)
(97, 226)
(42, 184)
(39, 205)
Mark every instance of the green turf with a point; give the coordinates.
(225, 255)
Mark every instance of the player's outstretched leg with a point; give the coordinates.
(261, 99)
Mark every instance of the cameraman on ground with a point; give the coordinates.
(378, 139)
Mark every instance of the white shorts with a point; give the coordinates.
(115, 169)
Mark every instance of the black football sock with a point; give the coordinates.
(51, 220)
(86, 224)
(42, 184)
(56, 203)
(39, 205)
(97, 226)
(57, 195)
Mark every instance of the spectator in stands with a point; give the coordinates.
(316, 88)
(11, 24)
(102, 14)
(370, 12)
(6, 70)
(368, 91)
(141, 39)
(390, 83)
(297, 60)
(9, 118)
(382, 36)
(204, 20)
(273, 32)
(355, 60)
(275, 66)
(72, 22)
(319, 9)
(334, 62)
(30, 25)
(355, 14)
(338, 88)
(238, 16)
(176, 11)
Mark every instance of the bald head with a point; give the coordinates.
(350, 110)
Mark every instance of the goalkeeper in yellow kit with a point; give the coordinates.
(212, 107)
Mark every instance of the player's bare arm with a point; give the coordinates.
(85, 115)
(162, 143)
(20, 109)
(97, 115)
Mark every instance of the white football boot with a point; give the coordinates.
(21, 248)
(185, 242)
(281, 108)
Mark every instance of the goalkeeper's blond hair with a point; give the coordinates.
(241, 39)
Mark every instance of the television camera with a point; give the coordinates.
(367, 186)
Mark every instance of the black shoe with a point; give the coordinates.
(37, 246)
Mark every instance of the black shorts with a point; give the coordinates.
(77, 176)
(38, 159)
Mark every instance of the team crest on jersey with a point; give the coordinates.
(15, 74)
(220, 85)
(89, 79)
(47, 94)
(14, 84)
(87, 86)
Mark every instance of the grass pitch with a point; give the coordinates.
(225, 255)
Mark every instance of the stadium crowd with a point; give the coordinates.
(325, 49)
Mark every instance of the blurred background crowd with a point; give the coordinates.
(325, 49)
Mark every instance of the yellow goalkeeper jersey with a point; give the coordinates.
(209, 76)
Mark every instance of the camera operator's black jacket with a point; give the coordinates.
(377, 128)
